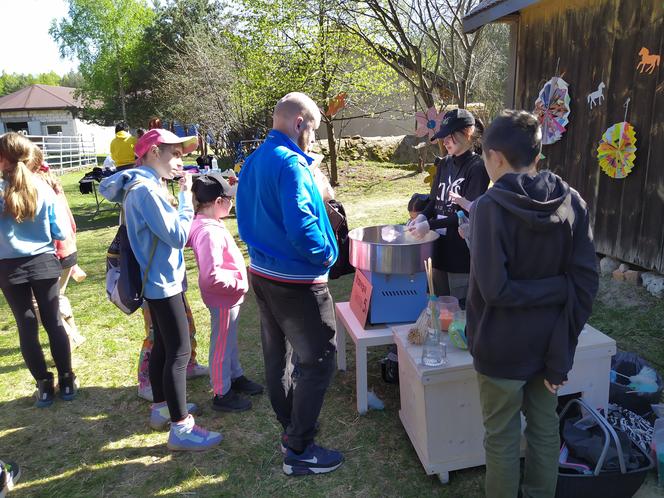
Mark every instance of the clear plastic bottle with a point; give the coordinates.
(434, 353)
(215, 164)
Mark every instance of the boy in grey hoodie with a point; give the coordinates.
(533, 278)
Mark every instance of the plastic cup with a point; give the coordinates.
(448, 306)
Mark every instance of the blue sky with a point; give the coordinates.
(26, 45)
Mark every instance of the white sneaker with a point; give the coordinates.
(146, 393)
(197, 370)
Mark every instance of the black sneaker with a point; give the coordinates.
(68, 386)
(231, 402)
(313, 460)
(10, 473)
(45, 392)
(246, 386)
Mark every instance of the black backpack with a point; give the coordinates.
(124, 282)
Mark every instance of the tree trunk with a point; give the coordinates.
(332, 144)
(122, 96)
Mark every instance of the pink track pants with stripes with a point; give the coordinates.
(224, 353)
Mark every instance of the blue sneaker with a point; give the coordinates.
(188, 436)
(161, 417)
(313, 460)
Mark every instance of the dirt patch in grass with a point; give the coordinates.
(622, 294)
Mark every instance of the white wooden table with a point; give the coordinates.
(379, 335)
(440, 406)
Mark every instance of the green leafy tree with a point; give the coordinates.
(12, 82)
(423, 41)
(105, 36)
(294, 46)
(73, 79)
(167, 36)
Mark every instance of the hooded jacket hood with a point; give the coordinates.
(113, 188)
(542, 202)
(157, 231)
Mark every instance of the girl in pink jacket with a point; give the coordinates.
(222, 280)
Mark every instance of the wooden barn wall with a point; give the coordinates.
(599, 40)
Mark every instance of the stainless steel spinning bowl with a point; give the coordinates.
(389, 249)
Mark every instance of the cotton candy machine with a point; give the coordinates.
(393, 261)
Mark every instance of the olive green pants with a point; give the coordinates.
(502, 402)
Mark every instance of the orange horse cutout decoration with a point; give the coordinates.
(648, 61)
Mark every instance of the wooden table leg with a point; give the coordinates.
(340, 340)
(361, 378)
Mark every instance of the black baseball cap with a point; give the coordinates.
(206, 188)
(454, 120)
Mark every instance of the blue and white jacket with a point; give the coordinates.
(32, 237)
(149, 215)
(281, 215)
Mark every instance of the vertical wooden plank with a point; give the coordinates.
(641, 87)
(650, 243)
(609, 192)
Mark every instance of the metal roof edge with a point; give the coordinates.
(32, 109)
(473, 22)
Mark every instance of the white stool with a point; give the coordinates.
(363, 338)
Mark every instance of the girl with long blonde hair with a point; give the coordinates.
(28, 265)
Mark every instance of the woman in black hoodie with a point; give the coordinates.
(461, 172)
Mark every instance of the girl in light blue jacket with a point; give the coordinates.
(157, 234)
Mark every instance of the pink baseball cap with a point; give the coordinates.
(159, 136)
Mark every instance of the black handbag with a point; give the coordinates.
(337, 216)
(614, 466)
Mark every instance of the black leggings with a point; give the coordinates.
(170, 354)
(46, 292)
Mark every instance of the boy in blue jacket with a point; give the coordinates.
(282, 218)
(158, 233)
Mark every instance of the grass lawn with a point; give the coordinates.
(100, 444)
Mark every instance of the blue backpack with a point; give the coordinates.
(124, 285)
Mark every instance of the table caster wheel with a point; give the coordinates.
(444, 477)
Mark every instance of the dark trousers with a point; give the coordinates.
(301, 317)
(170, 354)
(46, 292)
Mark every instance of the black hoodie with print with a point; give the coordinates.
(466, 176)
(533, 277)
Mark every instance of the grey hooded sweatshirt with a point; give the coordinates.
(533, 277)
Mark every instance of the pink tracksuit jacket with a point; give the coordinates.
(222, 274)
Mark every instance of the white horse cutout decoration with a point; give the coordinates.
(648, 61)
(595, 98)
